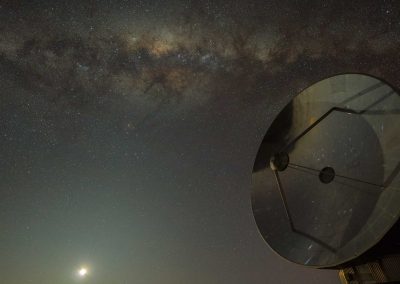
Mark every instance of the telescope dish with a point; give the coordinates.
(325, 182)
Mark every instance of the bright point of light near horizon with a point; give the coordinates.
(82, 272)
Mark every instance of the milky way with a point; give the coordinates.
(81, 62)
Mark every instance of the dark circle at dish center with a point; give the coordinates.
(327, 175)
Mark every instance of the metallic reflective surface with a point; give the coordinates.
(341, 188)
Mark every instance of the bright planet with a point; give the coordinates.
(82, 272)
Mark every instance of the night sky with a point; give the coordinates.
(129, 130)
